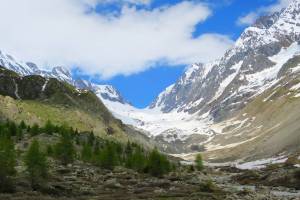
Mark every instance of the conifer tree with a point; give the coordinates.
(34, 130)
(108, 157)
(86, 153)
(91, 138)
(36, 165)
(22, 125)
(12, 128)
(50, 150)
(64, 149)
(7, 164)
(49, 128)
(136, 160)
(158, 164)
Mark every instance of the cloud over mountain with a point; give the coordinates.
(72, 33)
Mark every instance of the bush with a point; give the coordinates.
(7, 164)
(36, 165)
(208, 186)
(158, 164)
(199, 162)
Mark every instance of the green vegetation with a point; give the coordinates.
(66, 145)
(64, 150)
(157, 164)
(7, 163)
(199, 162)
(36, 165)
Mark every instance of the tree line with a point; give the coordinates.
(71, 146)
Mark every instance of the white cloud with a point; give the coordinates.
(251, 17)
(93, 3)
(60, 32)
(248, 19)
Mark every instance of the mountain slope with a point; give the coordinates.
(36, 99)
(209, 100)
(251, 66)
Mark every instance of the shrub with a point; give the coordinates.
(36, 165)
(199, 162)
(208, 186)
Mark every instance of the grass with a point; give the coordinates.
(38, 112)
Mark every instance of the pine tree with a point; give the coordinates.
(199, 162)
(36, 165)
(108, 157)
(34, 130)
(49, 128)
(12, 129)
(158, 164)
(91, 138)
(22, 125)
(50, 150)
(136, 160)
(86, 153)
(65, 150)
(7, 164)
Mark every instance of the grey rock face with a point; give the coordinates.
(223, 87)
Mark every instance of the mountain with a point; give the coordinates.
(246, 70)
(105, 92)
(240, 107)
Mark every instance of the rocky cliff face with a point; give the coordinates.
(247, 69)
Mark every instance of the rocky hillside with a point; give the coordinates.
(96, 175)
(36, 99)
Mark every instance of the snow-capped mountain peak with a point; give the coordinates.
(108, 93)
(21, 68)
(104, 92)
(62, 74)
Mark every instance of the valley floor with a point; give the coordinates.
(82, 181)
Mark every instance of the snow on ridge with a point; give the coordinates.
(228, 80)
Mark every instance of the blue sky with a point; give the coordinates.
(140, 89)
(138, 46)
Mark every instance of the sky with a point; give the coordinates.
(138, 46)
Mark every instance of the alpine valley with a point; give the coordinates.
(240, 108)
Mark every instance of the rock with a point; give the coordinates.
(112, 183)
